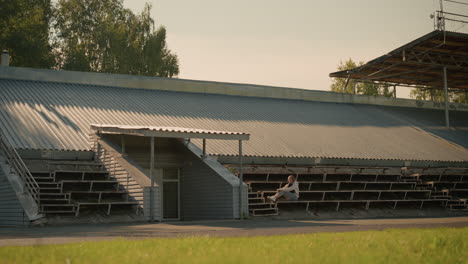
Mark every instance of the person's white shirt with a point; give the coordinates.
(294, 187)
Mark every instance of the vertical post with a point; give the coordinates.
(152, 179)
(394, 91)
(447, 121)
(354, 87)
(241, 180)
(204, 148)
(345, 88)
(122, 139)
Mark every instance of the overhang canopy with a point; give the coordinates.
(168, 132)
(419, 63)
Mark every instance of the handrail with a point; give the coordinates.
(16, 163)
(116, 164)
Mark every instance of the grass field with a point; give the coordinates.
(439, 245)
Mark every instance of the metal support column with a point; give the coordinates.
(394, 91)
(241, 180)
(151, 172)
(345, 88)
(204, 148)
(447, 121)
(122, 139)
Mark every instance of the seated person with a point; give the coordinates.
(290, 191)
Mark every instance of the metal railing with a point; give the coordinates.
(110, 159)
(17, 166)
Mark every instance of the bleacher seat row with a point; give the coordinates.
(71, 187)
(338, 187)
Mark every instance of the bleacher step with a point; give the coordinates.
(264, 212)
(260, 205)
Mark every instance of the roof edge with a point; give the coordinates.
(211, 87)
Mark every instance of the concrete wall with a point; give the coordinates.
(209, 190)
(204, 195)
(156, 204)
(194, 86)
(11, 211)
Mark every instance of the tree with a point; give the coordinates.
(338, 84)
(103, 36)
(437, 95)
(24, 32)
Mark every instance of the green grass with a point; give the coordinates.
(439, 245)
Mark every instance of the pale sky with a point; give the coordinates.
(294, 43)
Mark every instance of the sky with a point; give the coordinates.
(294, 43)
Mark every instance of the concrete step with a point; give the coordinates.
(458, 207)
(253, 194)
(260, 205)
(44, 179)
(47, 184)
(256, 200)
(54, 201)
(58, 208)
(52, 212)
(49, 189)
(264, 212)
(441, 197)
(53, 196)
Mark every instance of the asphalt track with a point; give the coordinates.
(258, 227)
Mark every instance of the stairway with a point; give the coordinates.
(51, 199)
(73, 187)
(259, 207)
(452, 202)
(458, 204)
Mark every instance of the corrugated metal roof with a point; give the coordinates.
(45, 115)
(171, 131)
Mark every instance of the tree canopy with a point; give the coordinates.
(103, 36)
(85, 35)
(437, 95)
(338, 84)
(24, 32)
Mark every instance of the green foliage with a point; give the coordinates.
(338, 84)
(24, 32)
(85, 35)
(103, 36)
(440, 245)
(437, 95)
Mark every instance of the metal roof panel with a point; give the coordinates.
(47, 115)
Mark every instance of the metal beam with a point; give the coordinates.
(241, 179)
(204, 148)
(122, 139)
(152, 179)
(447, 121)
(148, 132)
(345, 88)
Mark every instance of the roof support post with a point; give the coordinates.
(122, 140)
(241, 180)
(151, 172)
(394, 91)
(447, 121)
(204, 148)
(345, 88)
